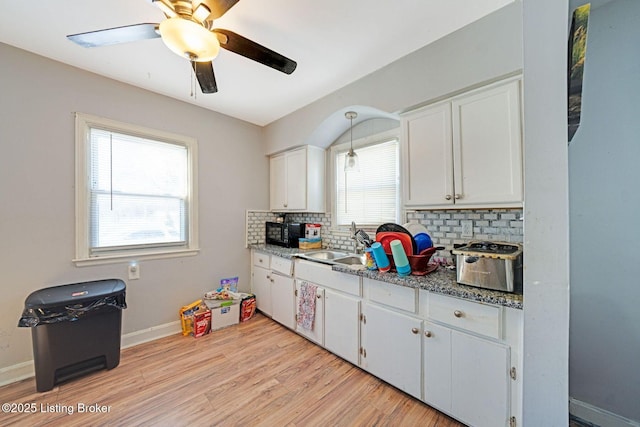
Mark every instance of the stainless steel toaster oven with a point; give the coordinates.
(490, 265)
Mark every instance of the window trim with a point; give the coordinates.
(84, 122)
(342, 147)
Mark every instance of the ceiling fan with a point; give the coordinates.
(188, 31)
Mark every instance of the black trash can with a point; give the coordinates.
(75, 329)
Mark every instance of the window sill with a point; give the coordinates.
(134, 256)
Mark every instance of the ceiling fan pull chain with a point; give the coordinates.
(192, 85)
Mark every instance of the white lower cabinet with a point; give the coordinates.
(261, 288)
(341, 325)
(466, 376)
(316, 333)
(283, 300)
(391, 347)
(337, 324)
(436, 361)
(479, 381)
(272, 284)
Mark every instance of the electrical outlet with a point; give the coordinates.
(467, 228)
(134, 271)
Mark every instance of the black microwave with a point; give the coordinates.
(284, 233)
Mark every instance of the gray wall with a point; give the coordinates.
(38, 98)
(604, 203)
(479, 52)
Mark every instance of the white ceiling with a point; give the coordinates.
(334, 42)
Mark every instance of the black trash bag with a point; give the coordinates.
(68, 303)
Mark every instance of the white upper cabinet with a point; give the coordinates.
(428, 155)
(466, 151)
(297, 180)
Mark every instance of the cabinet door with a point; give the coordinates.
(261, 288)
(487, 146)
(480, 381)
(391, 347)
(437, 366)
(316, 334)
(342, 325)
(427, 156)
(278, 182)
(297, 179)
(283, 300)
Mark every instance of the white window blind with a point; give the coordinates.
(138, 191)
(370, 196)
(136, 196)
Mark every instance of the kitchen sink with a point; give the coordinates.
(351, 260)
(324, 255)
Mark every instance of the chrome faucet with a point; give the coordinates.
(359, 246)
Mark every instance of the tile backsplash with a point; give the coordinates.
(445, 227)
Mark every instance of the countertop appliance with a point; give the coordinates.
(490, 265)
(284, 234)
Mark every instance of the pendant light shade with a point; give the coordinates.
(351, 163)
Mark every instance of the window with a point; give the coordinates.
(370, 196)
(135, 192)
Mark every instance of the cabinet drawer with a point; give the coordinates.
(323, 275)
(472, 316)
(261, 260)
(282, 265)
(391, 295)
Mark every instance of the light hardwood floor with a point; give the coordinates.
(254, 374)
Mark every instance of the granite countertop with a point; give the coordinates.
(442, 281)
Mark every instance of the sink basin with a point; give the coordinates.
(351, 260)
(325, 255)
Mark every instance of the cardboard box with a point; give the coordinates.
(201, 323)
(225, 316)
(186, 315)
(247, 307)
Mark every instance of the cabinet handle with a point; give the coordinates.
(448, 197)
(458, 313)
(415, 330)
(318, 296)
(260, 261)
(458, 196)
(427, 334)
(285, 205)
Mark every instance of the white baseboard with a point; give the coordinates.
(21, 371)
(153, 333)
(598, 416)
(18, 372)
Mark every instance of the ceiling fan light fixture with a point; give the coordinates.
(189, 39)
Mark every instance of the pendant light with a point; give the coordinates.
(351, 163)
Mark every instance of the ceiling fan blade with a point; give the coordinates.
(205, 76)
(128, 33)
(219, 7)
(252, 50)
